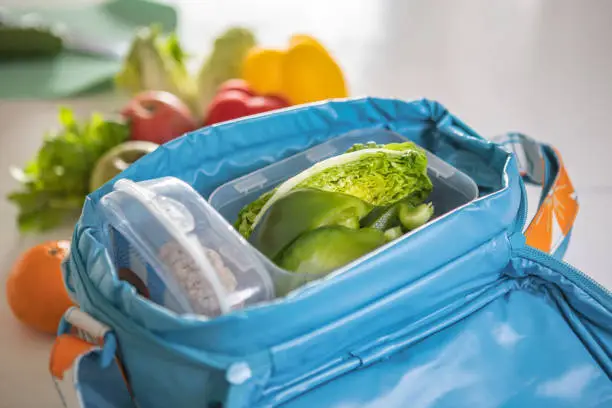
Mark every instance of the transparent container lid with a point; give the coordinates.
(208, 267)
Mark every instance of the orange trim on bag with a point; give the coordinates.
(560, 206)
(66, 350)
(565, 203)
(539, 232)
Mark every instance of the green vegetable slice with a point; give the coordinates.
(303, 210)
(413, 217)
(324, 249)
(393, 233)
(382, 218)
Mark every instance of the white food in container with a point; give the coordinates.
(199, 292)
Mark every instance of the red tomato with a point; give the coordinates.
(158, 117)
(236, 99)
(227, 105)
(281, 100)
(236, 85)
(259, 104)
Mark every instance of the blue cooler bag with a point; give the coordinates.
(465, 312)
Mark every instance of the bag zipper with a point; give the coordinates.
(593, 288)
(588, 284)
(522, 211)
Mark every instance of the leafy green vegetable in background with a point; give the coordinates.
(155, 63)
(378, 175)
(55, 183)
(224, 62)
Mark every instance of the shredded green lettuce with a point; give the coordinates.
(53, 186)
(404, 146)
(377, 178)
(246, 216)
(381, 175)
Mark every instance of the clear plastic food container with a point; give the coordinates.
(167, 233)
(451, 189)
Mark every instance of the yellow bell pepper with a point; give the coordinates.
(262, 70)
(297, 39)
(304, 72)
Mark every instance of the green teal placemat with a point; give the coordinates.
(111, 25)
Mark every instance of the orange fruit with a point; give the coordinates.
(35, 290)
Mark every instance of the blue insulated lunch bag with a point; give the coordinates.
(474, 310)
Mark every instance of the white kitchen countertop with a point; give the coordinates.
(540, 67)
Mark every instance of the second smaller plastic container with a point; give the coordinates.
(204, 265)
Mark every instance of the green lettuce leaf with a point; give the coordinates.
(246, 216)
(378, 178)
(377, 174)
(54, 184)
(404, 146)
(158, 64)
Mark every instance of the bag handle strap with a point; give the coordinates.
(84, 361)
(540, 164)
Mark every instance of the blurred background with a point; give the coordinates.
(541, 67)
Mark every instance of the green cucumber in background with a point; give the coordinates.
(26, 42)
(93, 34)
